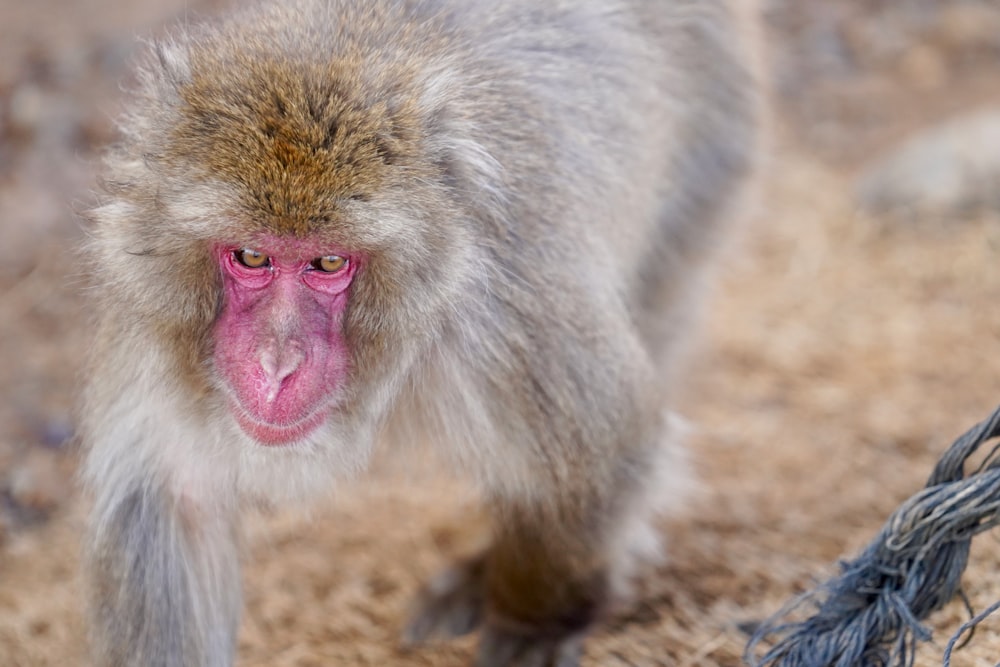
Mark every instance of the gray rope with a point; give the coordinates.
(870, 615)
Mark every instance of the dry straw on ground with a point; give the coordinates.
(837, 356)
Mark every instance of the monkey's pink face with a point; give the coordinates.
(279, 343)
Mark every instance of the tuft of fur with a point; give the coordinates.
(536, 189)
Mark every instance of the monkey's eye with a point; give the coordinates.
(252, 259)
(330, 263)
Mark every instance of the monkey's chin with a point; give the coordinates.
(279, 435)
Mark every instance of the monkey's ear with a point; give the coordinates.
(172, 62)
(175, 61)
(459, 144)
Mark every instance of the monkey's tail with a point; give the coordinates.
(871, 613)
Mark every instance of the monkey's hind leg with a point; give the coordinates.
(554, 568)
(534, 593)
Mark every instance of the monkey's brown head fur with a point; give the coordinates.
(296, 141)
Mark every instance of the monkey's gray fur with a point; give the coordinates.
(537, 188)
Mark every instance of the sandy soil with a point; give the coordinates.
(840, 356)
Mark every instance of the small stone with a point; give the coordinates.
(962, 26)
(924, 67)
(39, 484)
(25, 110)
(947, 172)
(56, 433)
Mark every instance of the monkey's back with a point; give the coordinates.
(558, 170)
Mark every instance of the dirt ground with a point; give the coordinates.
(840, 355)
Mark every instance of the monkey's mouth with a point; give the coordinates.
(277, 435)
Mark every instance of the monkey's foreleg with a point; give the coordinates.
(165, 587)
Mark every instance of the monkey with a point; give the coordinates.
(328, 224)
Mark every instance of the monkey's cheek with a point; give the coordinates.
(279, 435)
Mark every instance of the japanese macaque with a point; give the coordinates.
(331, 220)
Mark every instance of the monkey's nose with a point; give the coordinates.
(278, 365)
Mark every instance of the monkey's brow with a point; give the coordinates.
(150, 252)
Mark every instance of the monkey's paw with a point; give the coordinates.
(449, 605)
(499, 648)
(453, 604)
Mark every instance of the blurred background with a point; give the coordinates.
(854, 331)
